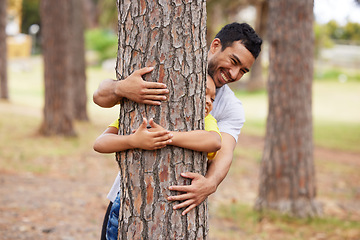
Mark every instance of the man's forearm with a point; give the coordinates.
(220, 165)
(105, 95)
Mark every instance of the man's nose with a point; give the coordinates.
(235, 73)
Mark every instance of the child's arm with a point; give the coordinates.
(109, 141)
(198, 140)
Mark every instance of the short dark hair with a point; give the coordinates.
(242, 32)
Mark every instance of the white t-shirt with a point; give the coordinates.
(230, 116)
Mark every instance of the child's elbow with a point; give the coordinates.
(217, 145)
(98, 147)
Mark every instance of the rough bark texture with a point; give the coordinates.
(169, 35)
(287, 178)
(77, 58)
(55, 38)
(4, 93)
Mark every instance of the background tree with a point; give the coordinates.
(287, 178)
(4, 94)
(256, 80)
(58, 118)
(77, 60)
(171, 37)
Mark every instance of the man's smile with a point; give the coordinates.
(226, 80)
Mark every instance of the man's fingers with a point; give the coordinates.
(181, 197)
(144, 70)
(192, 206)
(183, 204)
(190, 175)
(156, 87)
(151, 95)
(149, 102)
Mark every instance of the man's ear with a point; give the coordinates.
(215, 45)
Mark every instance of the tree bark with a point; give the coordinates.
(58, 119)
(287, 178)
(4, 92)
(171, 37)
(77, 60)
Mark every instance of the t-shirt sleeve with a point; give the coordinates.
(115, 124)
(211, 125)
(232, 120)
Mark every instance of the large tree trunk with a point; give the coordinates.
(58, 117)
(77, 60)
(287, 178)
(4, 94)
(171, 37)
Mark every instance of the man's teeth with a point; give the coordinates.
(224, 77)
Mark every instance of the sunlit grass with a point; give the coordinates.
(272, 225)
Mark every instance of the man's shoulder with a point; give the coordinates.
(226, 94)
(225, 97)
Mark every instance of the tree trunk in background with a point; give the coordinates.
(58, 119)
(171, 37)
(4, 93)
(91, 14)
(287, 177)
(77, 60)
(256, 80)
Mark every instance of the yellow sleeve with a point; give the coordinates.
(211, 125)
(115, 124)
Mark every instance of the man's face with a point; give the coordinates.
(228, 65)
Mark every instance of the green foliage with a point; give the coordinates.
(322, 39)
(108, 16)
(30, 14)
(103, 42)
(350, 32)
(336, 74)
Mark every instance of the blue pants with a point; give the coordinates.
(113, 223)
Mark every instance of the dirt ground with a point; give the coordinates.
(69, 202)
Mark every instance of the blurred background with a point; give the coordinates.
(54, 186)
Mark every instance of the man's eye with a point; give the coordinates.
(212, 99)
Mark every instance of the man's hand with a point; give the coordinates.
(194, 194)
(136, 89)
(144, 139)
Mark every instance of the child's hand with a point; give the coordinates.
(150, 140)
(155, 127)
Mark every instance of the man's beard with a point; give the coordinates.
(211, 68)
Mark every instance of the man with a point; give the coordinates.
(231, 55)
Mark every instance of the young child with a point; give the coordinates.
(156, 137)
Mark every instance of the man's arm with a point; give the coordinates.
(201, 187)
(110, 92)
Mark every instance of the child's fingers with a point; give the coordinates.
(153, 124)
(161, 134)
